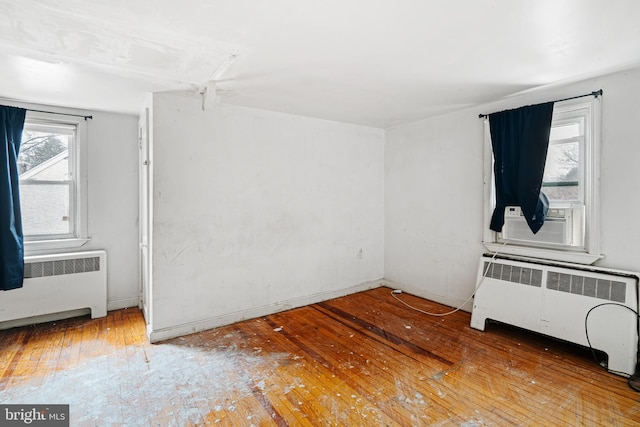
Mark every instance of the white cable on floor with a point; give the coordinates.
(396, 291)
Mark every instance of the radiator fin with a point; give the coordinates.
(61, 267)
(587, 286)
(513, 273)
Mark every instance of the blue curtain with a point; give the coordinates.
(11, 238)
(520, 139)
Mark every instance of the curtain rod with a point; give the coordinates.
(62, 114)
(53, 112)
(597, 93)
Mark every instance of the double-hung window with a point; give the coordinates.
(570, 181)
(52, 182)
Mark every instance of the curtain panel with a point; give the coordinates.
(11, 237)
(520, 139)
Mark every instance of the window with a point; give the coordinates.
(570, 232)
(563, 180)
(52, 187)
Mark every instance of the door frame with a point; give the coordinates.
(144, 218)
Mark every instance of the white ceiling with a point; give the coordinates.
(377, 63)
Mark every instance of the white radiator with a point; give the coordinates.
(55, 284)
(554, 299)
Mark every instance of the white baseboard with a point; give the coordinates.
(252, 313)
(52, 317)
(123, 303)
(422, 293)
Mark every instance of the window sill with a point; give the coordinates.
(38, 247)
(541, 253)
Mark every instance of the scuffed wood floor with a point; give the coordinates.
(361, 360)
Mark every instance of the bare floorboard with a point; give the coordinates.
(360, 360)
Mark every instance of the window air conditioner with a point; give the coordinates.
(563, 226)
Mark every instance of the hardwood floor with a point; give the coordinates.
(359, 360)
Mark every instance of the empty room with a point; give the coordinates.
(341, 213)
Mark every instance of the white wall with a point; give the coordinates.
(257, 211)
(433, 206)
(113, 202)
(433, 190)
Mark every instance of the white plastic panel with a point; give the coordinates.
(79, 282)
(557, 303)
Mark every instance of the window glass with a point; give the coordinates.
(563, 173)
(564, 131)
(45, 209)
(45, 164)
(561, 179)
(37, 150)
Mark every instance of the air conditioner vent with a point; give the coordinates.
(514, 274)
(563, 227)
(61, 267)
(557, 229)
(588, 286)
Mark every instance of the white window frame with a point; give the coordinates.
(588, 254)
(78, 193)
